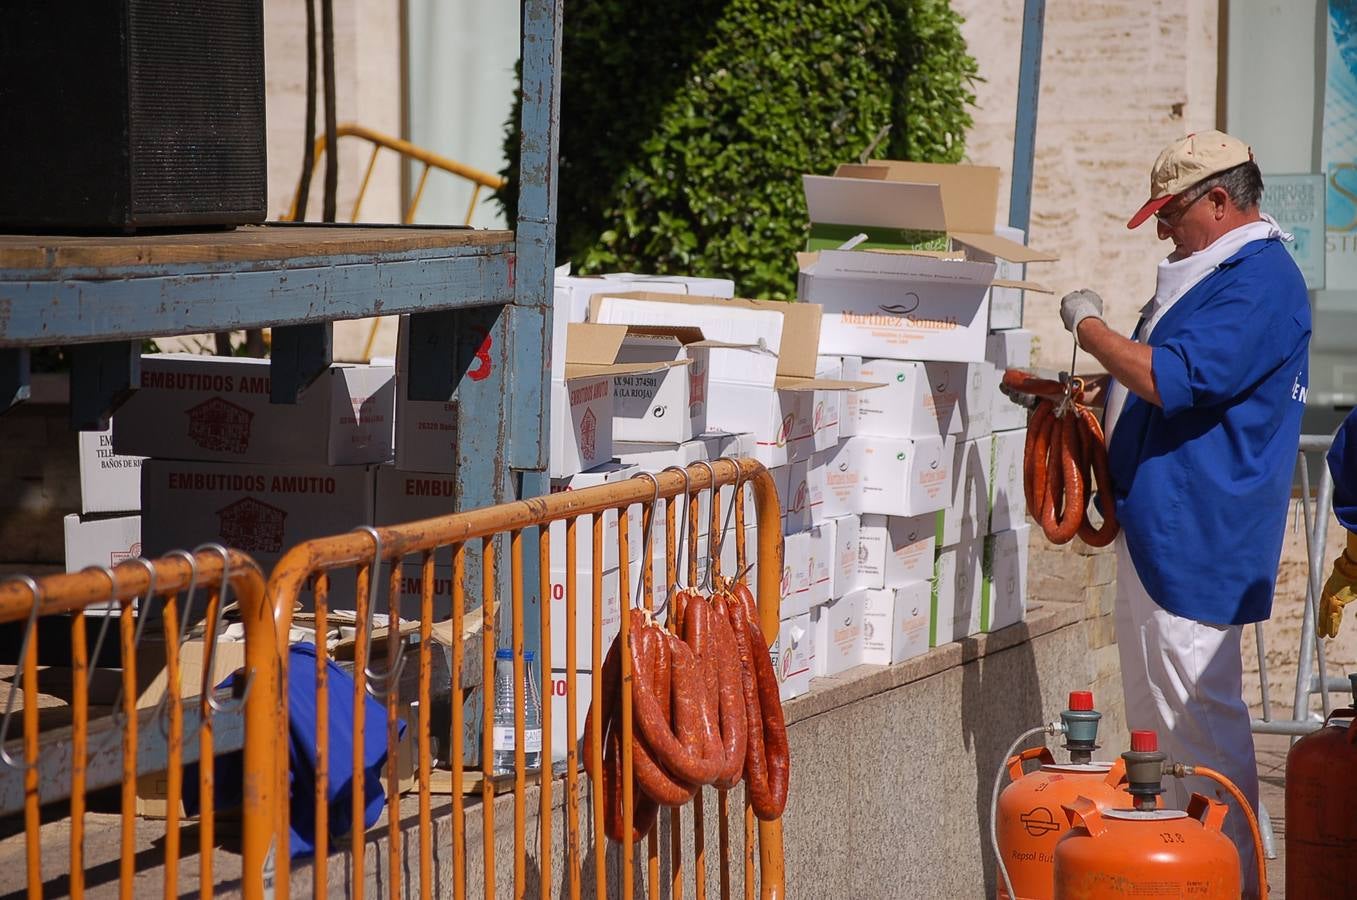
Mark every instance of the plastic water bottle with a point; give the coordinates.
(505, 734)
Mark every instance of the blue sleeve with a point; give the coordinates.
(1343, 467)
(1232, 342)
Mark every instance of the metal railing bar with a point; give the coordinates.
(488, 712)
(544, 699)
(595, 735)
(422, 743)
(627, 875)
(457, 752)
(320, 873)
(520, 713)
(395, 655)
(79, 752)
(572, 797)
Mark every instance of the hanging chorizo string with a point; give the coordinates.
(1064, 458)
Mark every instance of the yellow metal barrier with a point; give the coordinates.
(311, 564)
(114, 749)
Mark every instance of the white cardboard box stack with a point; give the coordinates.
(924, 488)
(107, 530)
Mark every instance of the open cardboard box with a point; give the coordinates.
(763, 356)
(582, 400)
(668, 406)
(918, 286)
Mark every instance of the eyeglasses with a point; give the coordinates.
(1172, 219)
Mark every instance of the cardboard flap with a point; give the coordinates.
(970, 194)
(875, 204)
(730, 345)
(856, 265)
(684, 334)
(988, 242)
(1022, 285)
(785, 383)
(592, 344)
(577, 371)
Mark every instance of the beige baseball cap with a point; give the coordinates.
(1186, 162)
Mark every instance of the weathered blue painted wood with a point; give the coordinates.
(298, 356)
(102, 377)
(14, 377)
(1025, 130)
(81, 307)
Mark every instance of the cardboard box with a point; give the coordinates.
(885, 299)
(895, 624)
(903, 477)
(897, 550)
(100, 542)
(942, 619)
(725, 443)
(842, 633)
(261, 510)
(918, 400)
(403, 497)
(213, 408)
(796, 594)
(584, 694)
(1003, 594)
(681, 284)
(656, 457)
(109, 482)
(1008, 350)
(792, 656)
(607, 473)
(851, 368)
(819, 638)
(668, 406)
(840, 482)
(823, 409)
(797, 507)
(1008, 500)
(582, 403)
(762, 356)
(1005, 307)
(609, 603)
(820, 572)
(969, 572)
(845, 575)
(977, 401)
(967, 515)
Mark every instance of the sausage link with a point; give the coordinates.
(770, 798)
(1095, 452)
(755, 765)
(1073, 502)
(683, 759)
(734, 722)
(651, 777)
(1036, 427)
(698, 636)
(605, 705)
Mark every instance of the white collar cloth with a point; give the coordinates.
(1174, 278)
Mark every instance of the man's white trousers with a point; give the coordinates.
(1184, 679)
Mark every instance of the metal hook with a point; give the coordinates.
(680, 566)
(706, 584)
(162, 707)
(735, 497)
(29, 629)
(107, 571)
(380, 682)
(210, 663)
(647, 540)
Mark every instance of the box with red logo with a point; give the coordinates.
(797, 503)
(1005, 350)
(608, 603)
(845, 575)
(607, 473)
(582, 401)
(918, 400)
(895, 623)
(977, 401)
(1003, 595)
(967, 514)
(821, 411)
(669, 406)
(791, 654)
(839, 482)
(102, 541)
(942, 618)
(896, 550)
(969, 588)
(903, 477)
(795, 582)
(109, 482)
(217, 409)
(841, 630)
(820, 572)
(1008, 500)
(560, 722)
(764, 355)
(262, 510)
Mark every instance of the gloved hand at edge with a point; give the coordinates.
(1077, 306)
(1339, 590)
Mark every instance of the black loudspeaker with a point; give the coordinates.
(117, 115)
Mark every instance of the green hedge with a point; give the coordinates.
(685, 127)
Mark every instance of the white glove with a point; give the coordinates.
(1077, 306)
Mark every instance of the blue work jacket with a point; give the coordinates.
(1343, 467)
(1202, 484)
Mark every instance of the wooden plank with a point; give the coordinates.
(255, 243)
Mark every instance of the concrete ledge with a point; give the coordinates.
(862, 682)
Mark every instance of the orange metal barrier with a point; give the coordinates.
(311, 565)
(114, 749)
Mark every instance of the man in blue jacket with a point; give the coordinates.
(1203, 423)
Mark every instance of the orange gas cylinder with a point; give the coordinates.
(1321, 808)
(1144, 852)
(1029, 817)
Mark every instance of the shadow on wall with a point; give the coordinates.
(1001, 697)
